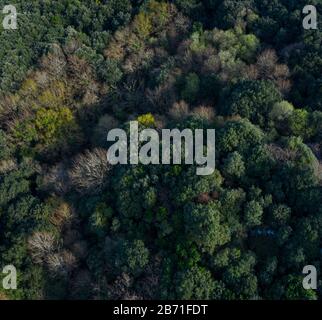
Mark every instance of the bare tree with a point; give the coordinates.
(55, 62)
(179, 110)
(61, 263)
(268, 68)
(281, 154)
(266, 63)
(90, 171)
(148, 286)
(121, 288)
(40, 245)
(207, 114)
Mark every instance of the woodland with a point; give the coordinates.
(76, 227)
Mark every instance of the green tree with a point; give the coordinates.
(194, 283)
(295, 291)
(191, 87)
(253, 214)
(252, 100)
(203, 226)
(130, 256)
(234, 166)
(238, 135)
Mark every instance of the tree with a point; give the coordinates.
(280, 215)
(232, 12)
(260, 163)
(146, 120)
(253, 214)
(104, 125)
(90, 171)
(203, 226)
(50, 131)
(268, 68)
(240, 278)
(238, 135)
(234, 166)
(5, 149)
(187, 185)
(130, 256)
(232, 201)
(41, 244)
(100, 219)
(135, 189)
(76, 228)
(281, 111)
(191, 88)
(109, 71)
(252, 100)
(298, 123)
(295, 291)
(194, 283)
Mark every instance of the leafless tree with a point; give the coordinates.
(179, 110)
(149, 284)
(90, 171)
(281, 154)
(267, 67)
(41, 244)
(61, 263)
(207, 114)
(121, 288)
(55, 62)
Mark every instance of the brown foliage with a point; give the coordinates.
(148, 286)
(61, 263)
(90, 171)
(207, 114)
(41, 244)
(179, 110)
(62, 215)
(281, 154)
(268, 68)
(121, 288)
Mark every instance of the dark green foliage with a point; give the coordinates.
(234, 166)
(191, 87)
(203, 226)
(253, 214)
(5, 149)
(294, 291)
(195, 283)
(252, 100)
(76, 69)
(240, 135)
(231, 12)
(20, 215)
(130, 257)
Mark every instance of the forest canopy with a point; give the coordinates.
(76, 227)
